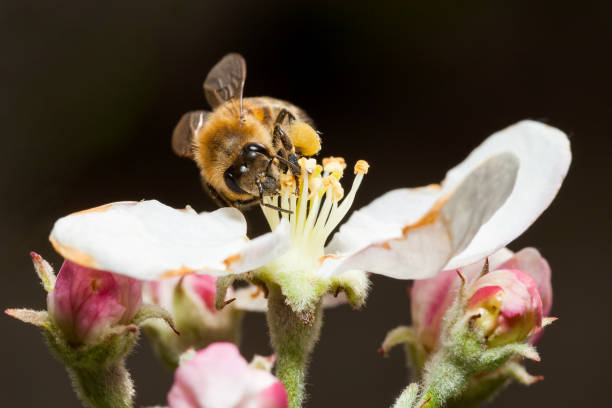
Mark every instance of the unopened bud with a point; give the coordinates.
(86, 303)
(505, 306)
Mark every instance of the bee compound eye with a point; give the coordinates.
(253, 149)
(231, 180)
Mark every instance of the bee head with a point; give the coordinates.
(253, 172)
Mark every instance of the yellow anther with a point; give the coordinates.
(361, 167)
(287, 184)
(315, 184)
(307, 164)
(331, 159)
(332, 183)
(334, 165)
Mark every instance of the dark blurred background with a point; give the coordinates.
(90, 95)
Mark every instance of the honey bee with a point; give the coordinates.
(244, 144)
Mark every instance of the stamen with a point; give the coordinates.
(319, 205)
(333, 184)
(324, 213)
(285, 204)
(334, 165)
(337, 216)
(287, 184)
(308, 164)
(293, 216)
(361, 167)
(271, 214)
(315, 185)
(301, 212)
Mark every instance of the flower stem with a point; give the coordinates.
(444, 379)
(293, 337)
(107, 387)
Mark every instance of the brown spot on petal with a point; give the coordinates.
(230, 260)
(75, 255)
(182, 271)
(386, 246)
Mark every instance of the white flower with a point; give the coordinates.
(484, 203)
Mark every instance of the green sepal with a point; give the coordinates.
(38, 318)
(97, 371)
(303, 290)
(223, 284)
(150, 311)
(400, 335)
(355, 284)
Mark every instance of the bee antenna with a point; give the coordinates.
(295, 169)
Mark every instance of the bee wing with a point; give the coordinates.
(185, 131)
(225, 80)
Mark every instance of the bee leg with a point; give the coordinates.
(292, 164)
(290, 159)
(284, 113)
(261, 201)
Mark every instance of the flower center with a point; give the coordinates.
(314, 208)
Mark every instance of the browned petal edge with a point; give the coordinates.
(230, 260)
(182, 271)
(75, 255)
(102, 208)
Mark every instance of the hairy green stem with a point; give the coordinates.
(444, 379)
(293, 338)
(104, 387)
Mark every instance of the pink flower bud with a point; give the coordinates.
(431, 298)
(201, 289)
(190, 300)
(219, 377)
(505, 305)
(86, 302)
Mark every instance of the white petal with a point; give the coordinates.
(411, 234)
(375, 235)
(384, 218)
(149, 240)
(250, 299)
(544, 155)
